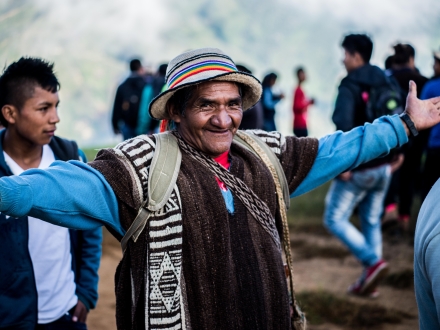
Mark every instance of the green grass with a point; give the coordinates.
(324, 307)
(91, 152)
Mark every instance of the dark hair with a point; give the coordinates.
(403, 53)
(135, 65)
(268, 78)
(18, 82)
(389, 61)
(359, 43)
(243, 68)
(162, 69)
(298, 70)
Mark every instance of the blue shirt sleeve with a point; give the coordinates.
(68, 194)
(339, 152)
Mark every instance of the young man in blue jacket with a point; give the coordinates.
(48, 274)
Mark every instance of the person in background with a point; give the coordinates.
(146, 124)
(365, 186)
(48, 274)
(300, 106)
(270, 100)
(427, 235)
(126, 106)
(404, 70)
(252, 118)
(432, 163)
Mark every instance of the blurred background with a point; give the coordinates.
(92, 41)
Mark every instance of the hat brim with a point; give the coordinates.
(251, 94)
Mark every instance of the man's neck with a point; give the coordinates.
(26, 154)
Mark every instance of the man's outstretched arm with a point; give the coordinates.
(340, 151)
(69, 194)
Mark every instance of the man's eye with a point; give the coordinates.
(206, 105)
(43, 109)
(235, 105)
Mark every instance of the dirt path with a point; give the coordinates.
(323, 271)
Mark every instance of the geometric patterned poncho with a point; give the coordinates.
(196, 266)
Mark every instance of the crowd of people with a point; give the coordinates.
(189, 262)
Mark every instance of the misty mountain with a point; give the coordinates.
(91, 42)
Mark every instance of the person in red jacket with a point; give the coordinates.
(300, 105)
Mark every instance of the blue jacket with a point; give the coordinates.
(432, 89)
(18, 294)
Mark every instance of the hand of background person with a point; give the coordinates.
(424, 113)
(80, 312)
(345, 176)
(397, 163)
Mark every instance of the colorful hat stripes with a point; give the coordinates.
(201, 65)
(198, 68)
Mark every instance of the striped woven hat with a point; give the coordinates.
(201, 65)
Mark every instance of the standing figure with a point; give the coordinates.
(300, 106)
(270, 100)
(127, 100)
(48, 274)
(431, 171)
(403, 71)
(365, 186)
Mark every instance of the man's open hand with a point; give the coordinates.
(424, 113)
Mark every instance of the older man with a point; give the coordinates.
(210, 258)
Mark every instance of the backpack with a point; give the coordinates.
(162, 177)
(384, 100)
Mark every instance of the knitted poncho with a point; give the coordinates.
(220, 270)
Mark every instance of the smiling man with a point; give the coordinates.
(210, 258)
(48, 274)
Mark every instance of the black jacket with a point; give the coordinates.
(350, 106)
(127, 100)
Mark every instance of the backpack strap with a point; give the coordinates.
(162, 177)
(247, 141)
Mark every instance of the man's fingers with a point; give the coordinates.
(435, 100)
(412, 88)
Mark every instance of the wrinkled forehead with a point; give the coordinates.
(216, 89)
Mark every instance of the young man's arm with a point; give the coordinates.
(69, 194)
(88, 250)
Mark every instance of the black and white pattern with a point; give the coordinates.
(164, 253)
(163, 290)
(259, 210)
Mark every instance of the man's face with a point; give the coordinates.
(36, 121)
(352, 61)
(211, 118)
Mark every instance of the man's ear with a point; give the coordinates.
(174, 114)
(9, 113)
